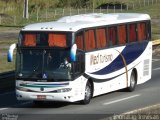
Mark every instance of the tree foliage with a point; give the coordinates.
(73, 3)
(16, 6)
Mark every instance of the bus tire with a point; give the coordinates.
(133, 81)
(88, 94)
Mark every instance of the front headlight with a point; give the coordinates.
(63, 90)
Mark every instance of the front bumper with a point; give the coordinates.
(64, 97)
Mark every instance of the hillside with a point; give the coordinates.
(15, 7)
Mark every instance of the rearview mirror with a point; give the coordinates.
(10, 52)
(73, 53)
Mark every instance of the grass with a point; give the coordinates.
(6, 66)
(4, 45)
(48, 13)
(4, 28)
(51, 14)
(8, 42)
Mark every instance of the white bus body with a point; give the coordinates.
(111, 68)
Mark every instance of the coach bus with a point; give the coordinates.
(82, 56)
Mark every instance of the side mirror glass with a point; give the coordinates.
(10, 52)
(73, 53)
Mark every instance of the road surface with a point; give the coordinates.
(100, 107)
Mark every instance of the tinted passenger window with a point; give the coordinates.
(29, 39)
(122, 36)
(132, 32)
(101, 37)
(58, 40)
(141, 27)
(112, 34)
(90, 40)
(79, 41)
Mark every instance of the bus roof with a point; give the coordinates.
(77, 22)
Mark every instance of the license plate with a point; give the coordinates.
(41, 97)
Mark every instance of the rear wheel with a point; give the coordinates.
(133, 82)
(88, 94)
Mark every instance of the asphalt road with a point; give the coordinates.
(100, 107)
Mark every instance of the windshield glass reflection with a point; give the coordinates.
(44, 64)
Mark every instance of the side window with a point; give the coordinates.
(59, 40)
(79, 40)
(112, 35)
(90, 40)
(132, 32)
(29, 39)
(101, 37)
(122, 34)
(141, 27)
(148, 30)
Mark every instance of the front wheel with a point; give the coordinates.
(133, 82)
(88, 94)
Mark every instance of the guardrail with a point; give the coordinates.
(7, 81)
(156, 42)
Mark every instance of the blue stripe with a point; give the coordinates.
(131, 52)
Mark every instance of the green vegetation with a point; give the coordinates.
(7, 42)
(11, 11)
(9, 28)
(6, 66)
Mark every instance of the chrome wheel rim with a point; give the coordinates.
(87, 93)
(132, 81)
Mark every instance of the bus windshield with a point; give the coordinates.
(43, 64)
